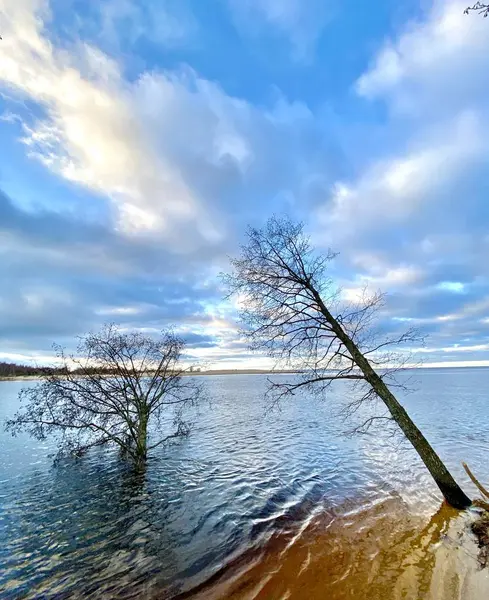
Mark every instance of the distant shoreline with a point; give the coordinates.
(260, 372)
(244, 372)
(187, 374)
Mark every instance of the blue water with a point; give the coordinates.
(91, 528)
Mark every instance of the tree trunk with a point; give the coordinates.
(451, 491)
(141, 442)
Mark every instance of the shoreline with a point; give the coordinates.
(209, 372)
(261, 372)
(187, 374)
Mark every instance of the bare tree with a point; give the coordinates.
(115, 388)
(293, 311)
(481, 8)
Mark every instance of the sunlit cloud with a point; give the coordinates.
(142, 137)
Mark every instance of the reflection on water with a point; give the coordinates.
(281, 506)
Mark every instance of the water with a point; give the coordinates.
(244, 481)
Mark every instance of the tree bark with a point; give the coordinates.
(142, 440)
(451, 491)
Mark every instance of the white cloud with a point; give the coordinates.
(282, 13)
(114, 311)
(165, 147)
(454, 364)
(90, 132)
(182, 162)
(377, 270)
(424, 68)
(179, 164)
(421, 187)
(378, 275)
(410, 221)
(166, 22)
(29, 357)
(455, 348)
(395, 188)
(452, 286)
(301, 22)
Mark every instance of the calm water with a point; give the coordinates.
(90, 528)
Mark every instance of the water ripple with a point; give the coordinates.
(91, 528)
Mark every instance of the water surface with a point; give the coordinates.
(248, 494)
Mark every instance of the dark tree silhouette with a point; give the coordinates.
(10, 370)
(294, 312)
(117, 387)
(482, 9)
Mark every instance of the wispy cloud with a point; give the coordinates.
(169, 23)
(301, 23)
(428, 61)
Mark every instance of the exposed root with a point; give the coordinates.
(480, 528)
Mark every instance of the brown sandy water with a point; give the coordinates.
(374, 552)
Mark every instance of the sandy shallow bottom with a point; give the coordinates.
(376, 552)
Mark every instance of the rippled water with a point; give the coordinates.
(245, 487)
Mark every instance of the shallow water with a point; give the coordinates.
(251, 505)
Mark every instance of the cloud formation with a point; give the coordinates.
(421, 202)
(172, 166)
(299, 22)
(178, 168)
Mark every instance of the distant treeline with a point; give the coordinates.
(15, 370)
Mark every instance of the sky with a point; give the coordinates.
(139, 138)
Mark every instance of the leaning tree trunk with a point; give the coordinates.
(451, 491)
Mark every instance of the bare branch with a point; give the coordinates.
(479, 7)
(293, 312)
(121, 383)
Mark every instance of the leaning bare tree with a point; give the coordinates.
(293, 311)
(122, 388)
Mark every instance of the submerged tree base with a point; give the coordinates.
(480, 528)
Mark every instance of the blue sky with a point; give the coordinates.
(139, 138)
